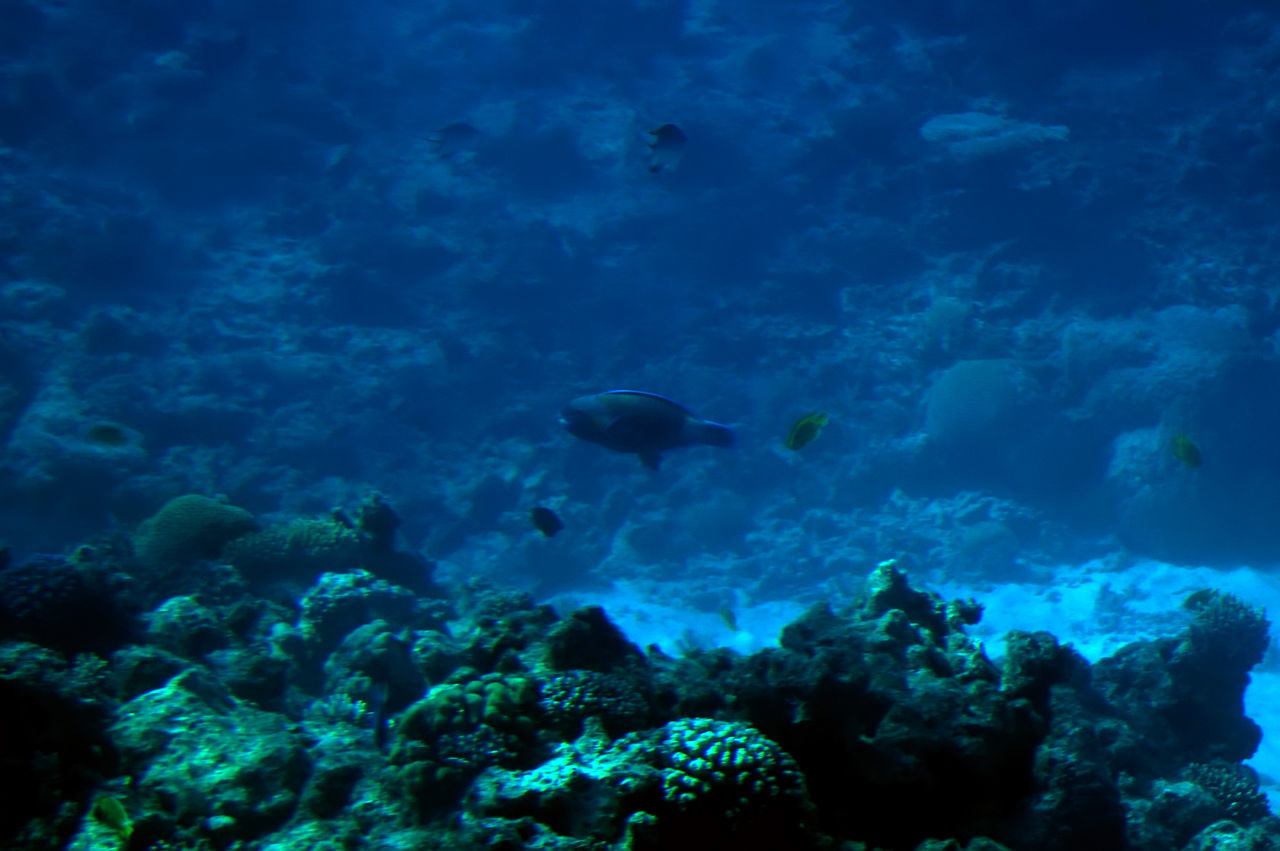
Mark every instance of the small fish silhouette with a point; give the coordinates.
(1186, 451)
(666, 148)
(546, 521)
(452, 139)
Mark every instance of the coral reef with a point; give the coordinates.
(1184, 694)
(369, 715)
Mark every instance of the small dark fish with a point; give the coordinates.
(546, 521)
(730, 619)
(642, 423)
(107, 434)
(378, 713)
(1200, 599)
(1186, 451)
(805, 430)
(666, 148)
(456, 138)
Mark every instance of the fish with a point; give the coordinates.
(1186, 451)
(107, 434)
(546, 521)
(452, 139)
(666, 148)
(805, 430)
(646, 424)
(729, 617)
(378, 714)
(1200, 599)
(109, 811)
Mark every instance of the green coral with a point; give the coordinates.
(728, 764)
(461, 728)
(189, 528)
(501, 701)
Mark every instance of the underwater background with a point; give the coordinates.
(295, 299)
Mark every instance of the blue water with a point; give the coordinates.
(1022, 254)
(303, 253)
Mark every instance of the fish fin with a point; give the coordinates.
(649, 395)
(651, 460)
(715, 434)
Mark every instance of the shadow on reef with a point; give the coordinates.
(305, 684)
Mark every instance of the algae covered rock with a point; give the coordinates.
(588, 640)
(184, 626)
(219, 771)
(339, 602)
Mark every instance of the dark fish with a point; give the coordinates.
(546, 521)
(729, 617)
(378, 714)
(644, 423)
(804, 430)
(666, 148)
(452, 139)
(1200, 599)
(107, 434)
(1186, 451)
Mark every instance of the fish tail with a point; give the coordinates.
(714, 434)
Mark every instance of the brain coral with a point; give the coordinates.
(189, 528)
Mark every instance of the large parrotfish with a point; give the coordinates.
(643, 423)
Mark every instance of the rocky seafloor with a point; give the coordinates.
(210, 682)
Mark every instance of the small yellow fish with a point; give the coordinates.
(805, 430)
(1186, 451)
(110, 812)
